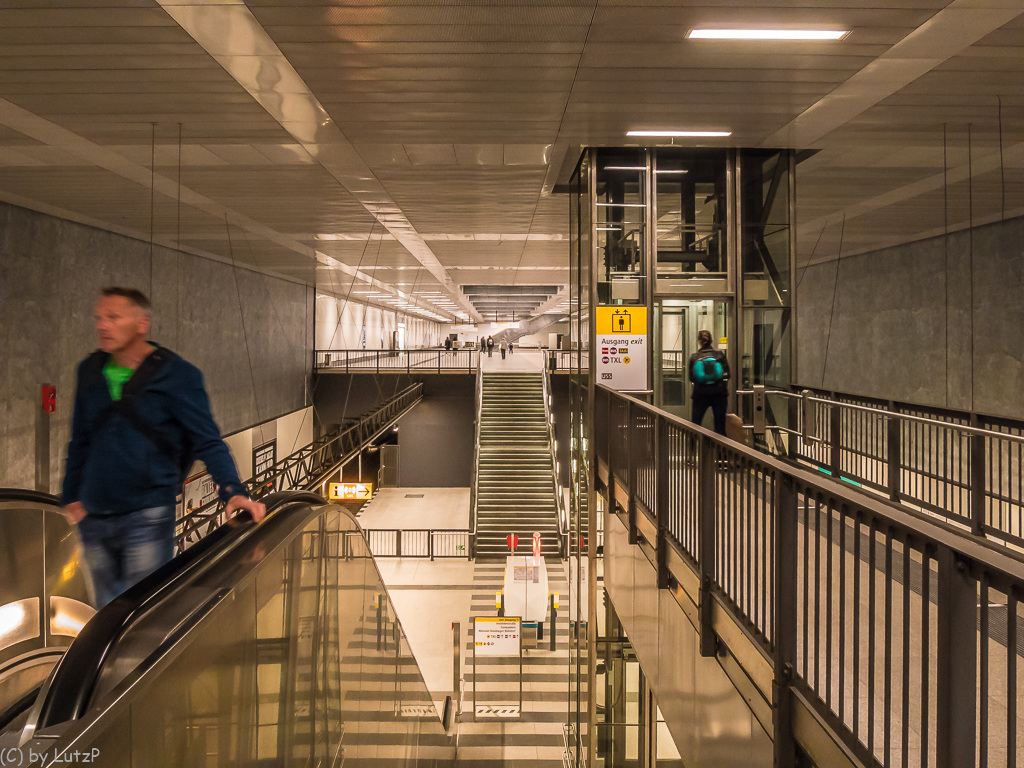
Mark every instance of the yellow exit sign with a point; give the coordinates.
(349, 491)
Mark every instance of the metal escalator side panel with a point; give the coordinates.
(297, 657)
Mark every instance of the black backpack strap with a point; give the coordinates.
(92, 367)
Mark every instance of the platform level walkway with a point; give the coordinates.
(904, 638)
(966, 468)
(437, 360)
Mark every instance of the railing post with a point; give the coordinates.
(377, 357)
(346, 362)
(977, 475)
(894, 468)
(630, 474)
(793, 417)
(957, 657)
(785, 619)
(398, 543)
(430, 545)
(706, 533)
(835, 418)
(661, 496)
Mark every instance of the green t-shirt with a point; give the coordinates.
(116, 377)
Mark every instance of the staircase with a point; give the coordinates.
(515, 483)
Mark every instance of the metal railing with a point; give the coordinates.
(309, 466)
(432, 544)
(964, 467)
(397, 360)
(897, 636)
(564, 360)
(560, 508)
(473, 490)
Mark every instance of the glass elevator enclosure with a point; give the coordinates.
(698, 239)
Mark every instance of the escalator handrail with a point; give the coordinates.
(30, 496)
(71, 685)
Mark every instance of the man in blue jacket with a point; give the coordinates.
(140, 413)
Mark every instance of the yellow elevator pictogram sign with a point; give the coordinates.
(621, 320)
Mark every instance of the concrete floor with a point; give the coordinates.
(417, 509)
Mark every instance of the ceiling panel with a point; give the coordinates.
(454, 111)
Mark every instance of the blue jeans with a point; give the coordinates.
(123, 549)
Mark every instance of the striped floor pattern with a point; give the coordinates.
(534, 739)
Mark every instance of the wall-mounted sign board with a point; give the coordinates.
(621, 347)
(349, 491)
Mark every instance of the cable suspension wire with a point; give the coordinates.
(177, 246)
(832, 311)
(241, 317)
(970, 247)
(1002, 164)
(277, 318)
(152, 198)
(810, 258)
(945, 254)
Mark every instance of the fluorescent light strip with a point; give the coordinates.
(624, 168)
(682, 134)
(768, 34)
(670, 170)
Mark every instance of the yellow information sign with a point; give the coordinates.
(621, 321)
(349, 491)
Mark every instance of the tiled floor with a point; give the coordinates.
(429, 596)
(520, 361)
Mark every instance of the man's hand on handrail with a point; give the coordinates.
(257, 511)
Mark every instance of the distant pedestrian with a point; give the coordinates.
(490, 346)
(510, 348)
(448, 344)
(504, 348)
(709, 372)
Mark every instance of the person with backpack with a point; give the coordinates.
(141, 415)
(709, 372)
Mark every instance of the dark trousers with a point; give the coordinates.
(718, 404)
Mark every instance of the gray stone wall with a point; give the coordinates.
(902, 323)
(251, 335)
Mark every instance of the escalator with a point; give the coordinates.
(260, 645)
(45, 594)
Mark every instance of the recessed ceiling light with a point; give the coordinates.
(681, 134)
(768, 34)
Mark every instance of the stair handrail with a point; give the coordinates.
(309, 466)
(549, 423)
(473, 494)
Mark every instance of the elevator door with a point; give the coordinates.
(675, 343)
(680, 319)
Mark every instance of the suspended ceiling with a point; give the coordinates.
(410, 149)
